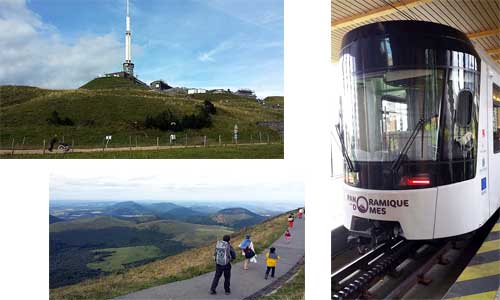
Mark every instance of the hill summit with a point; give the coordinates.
(112, 83)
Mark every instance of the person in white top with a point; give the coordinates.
(247, 250)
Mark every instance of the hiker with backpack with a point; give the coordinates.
(223, 255)
(248, 251)
(271, 261)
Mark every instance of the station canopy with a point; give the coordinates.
(479, 19)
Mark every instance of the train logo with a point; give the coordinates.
(362, 204)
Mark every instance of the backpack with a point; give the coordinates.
(222, 253)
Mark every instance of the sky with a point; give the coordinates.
(134, 182)
(190, 43)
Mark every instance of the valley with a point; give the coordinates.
(92, 238)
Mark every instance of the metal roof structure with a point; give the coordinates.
(479, 19)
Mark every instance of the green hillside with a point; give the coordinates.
(84, 248)
(111, 83)
(121, 112)
(93, 223)
(12, 94)
(187, 264)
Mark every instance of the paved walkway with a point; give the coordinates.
(243, 283)
(122, 149)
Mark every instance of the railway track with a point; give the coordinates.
(406, 262)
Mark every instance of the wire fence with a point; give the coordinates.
(136, 142)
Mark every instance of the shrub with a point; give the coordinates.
(55, 119)
(209, 107)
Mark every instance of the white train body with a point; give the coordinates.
(448, 207)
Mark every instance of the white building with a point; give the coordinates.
(196, 91)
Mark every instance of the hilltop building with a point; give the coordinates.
(246, 93)
(196, 91)
(160, 85)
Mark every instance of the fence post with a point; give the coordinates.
(136, 142)
(220, 141)
(260, 137)
(130, 142)
(72, 145)
(103, 144)
(268, 139)
(43, 152)
(63, 138)
(251, 139)
(12, 145)
(157, 143)
(186, 139)
(22, 146)
(204, 141)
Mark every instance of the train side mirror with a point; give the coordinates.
(464, 108)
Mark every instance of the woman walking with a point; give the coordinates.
(248, 251)
(290, 221)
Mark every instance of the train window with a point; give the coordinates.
(464, 108)
(496, 118)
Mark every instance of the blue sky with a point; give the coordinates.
(193, 43)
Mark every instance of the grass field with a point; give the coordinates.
(121, 256)
(292, 290)
(120, 112)
(273, 151)
(182, 266)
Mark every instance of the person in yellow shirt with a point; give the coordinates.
(271, 261)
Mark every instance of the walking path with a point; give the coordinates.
(243, 283)
(121, 149)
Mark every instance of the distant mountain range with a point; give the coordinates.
(236, 218)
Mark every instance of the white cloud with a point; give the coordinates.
(208, 56)
(33, 52)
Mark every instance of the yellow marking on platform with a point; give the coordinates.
(496, 227)
(489, 246)
(479, 271)
(481, 296)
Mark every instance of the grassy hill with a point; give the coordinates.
(181, 266)
(236, 217)
(120, 111)
(111, 83)
(84, 248)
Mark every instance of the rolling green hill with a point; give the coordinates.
(84, 248)
(111, 83)
(104, 107)
(187, 264)
(236, 217)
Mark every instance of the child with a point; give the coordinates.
(271, 260)
(288, 235)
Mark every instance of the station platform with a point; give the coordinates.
(481, 278)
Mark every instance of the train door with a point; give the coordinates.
(481, 183)
(494, 138)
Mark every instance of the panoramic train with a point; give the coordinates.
(419, 127)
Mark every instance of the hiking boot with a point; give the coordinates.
(228, 292)
(212, 292)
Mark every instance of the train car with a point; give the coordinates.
(420, 132)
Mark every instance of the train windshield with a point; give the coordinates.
(391, 110)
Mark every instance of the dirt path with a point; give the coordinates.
(120, 149)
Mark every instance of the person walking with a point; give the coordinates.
(223, 255)
(290, 221)
(53, 141)
(248, 251)
(271, 260)
(288, 235)
(301, 212)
